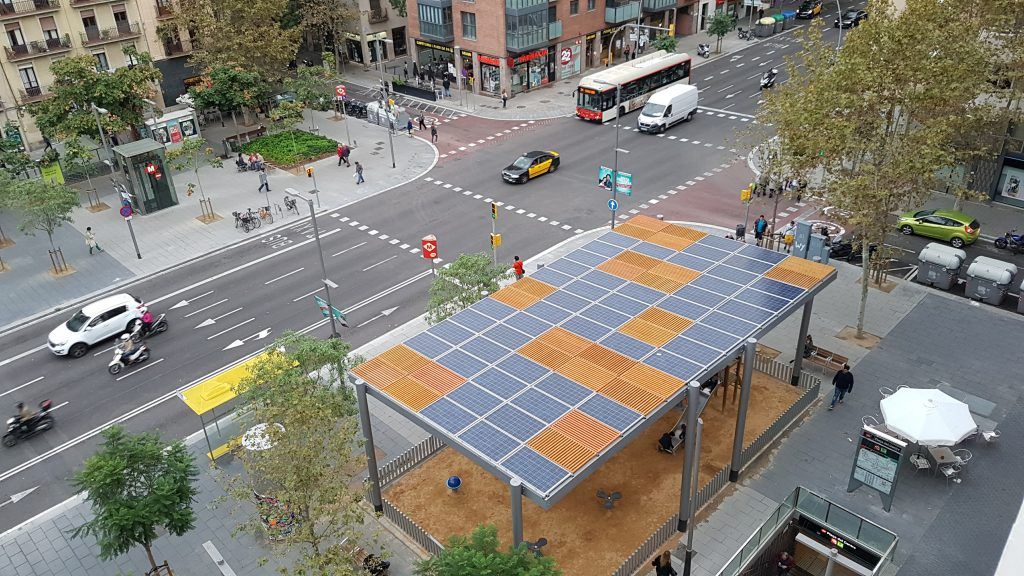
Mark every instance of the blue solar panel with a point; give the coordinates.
(653, 250)
(762, 254)
(692, 262)
(673, 365)
(584, 257)
(716, 285)
(620, 303)
(732, 274)
(448, 416)
(549, 276)
(586, 290)
(507, 337)
(474, 398)
(563, 389)
(429, 346)
(711, 337)
(721, 243)
(748, 264)
(523, 368)
(461, 363)
(684, 308)
(641, 293)
(567, 301)
(605, 316)
(609, 412)
(603, 279)
(493, 308)
(499, 383)
(604, 249)
(536, 470)
(450, 332)
(681, 346)
(776, 288)
(527, 324)
(473, 320)
(761, 299)
(489, 441)
(587, 328)
(746, 311)
(729, 324)
(618, 239)
(548, 312)
(702, 297)
(569, 267)
(485, 349)
(706, 252)
(627, 345)
(540, 405)
(515, 422)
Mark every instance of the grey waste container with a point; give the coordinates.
(1020, 300)
(939, 265)
(765, 27)
(989, 279)
(780, 23)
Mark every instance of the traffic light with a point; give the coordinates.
(495, 240)
(494, 211)
(745, 195)
(309, 172)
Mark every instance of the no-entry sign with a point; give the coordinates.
(429, 245)
(339, 90)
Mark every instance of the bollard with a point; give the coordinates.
(661, 216)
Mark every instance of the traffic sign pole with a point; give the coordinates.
(429, 247)
(126, 212)
(494, 223)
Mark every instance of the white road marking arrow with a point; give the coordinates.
(18, 496)
(210, 321)
(387, 312)
(257, 336)
(733, 94)
(186, 302)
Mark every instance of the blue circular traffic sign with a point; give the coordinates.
(612, 204)
(126, 210)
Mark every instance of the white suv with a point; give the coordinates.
(95, 323)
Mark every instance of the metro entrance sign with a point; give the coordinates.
(429, 245)
(340, 91)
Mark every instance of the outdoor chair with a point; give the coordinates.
(536, 546)
(885, 391)
(990, 435)
(951, 472)
(963, 456)
(870, 420)
(920, 462)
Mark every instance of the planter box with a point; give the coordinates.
(421, 93)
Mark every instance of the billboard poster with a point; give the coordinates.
(624, 184)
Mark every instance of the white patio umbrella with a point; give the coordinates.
(928, 416)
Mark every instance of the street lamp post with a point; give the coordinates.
(839, 42)
(615, 166)
(323, 266)
(96, 111)
(380, 61)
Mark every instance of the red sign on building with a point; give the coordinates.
(429, 245)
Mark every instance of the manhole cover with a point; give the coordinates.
(545, 101)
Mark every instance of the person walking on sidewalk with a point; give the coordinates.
(783, 564)
(663, 565)
(433, 132)
(359, 173)
(843, 382)
(423, 124)
(341, 153)
(405, 71)
(517, 268)
(264, 183)
(760, 225)
(447, 85)
(504, 97)
(90, 240)
(409, 127)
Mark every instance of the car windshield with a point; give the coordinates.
(523, 162)
(807, 5)
(923, 213)
(77, 322)
(652, 109)
(850, 14)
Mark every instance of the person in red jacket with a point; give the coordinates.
(784, 564)
(517, 267)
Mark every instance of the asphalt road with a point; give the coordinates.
(257, 290)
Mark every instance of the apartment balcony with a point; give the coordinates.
(379, 15)
(658, 5)
(26, 7)
(164, 9)
(525, 6)
(34, 94)
(526, 40)
(554, 29)
(439, 32)
(77, 3)
(617, 13)
(94, 35)
(38, 48)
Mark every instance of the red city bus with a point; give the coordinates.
(639, 78)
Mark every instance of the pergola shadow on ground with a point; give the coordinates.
(583, 536)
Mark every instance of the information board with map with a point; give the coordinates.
(877, 463)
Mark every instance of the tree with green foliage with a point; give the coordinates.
(254, 35)
(882, 117)
(192, 154)
(307, 477)
(399, 6)
(329, 18)
(310, 85)
(8, 200)
(719, 25)
(79, 156)
(136, 484)
(13, 158)
(665, 42)
(229, 89)
(77, 85)
(44, 206)
(468, 279)
(285, 117)
(478, 554)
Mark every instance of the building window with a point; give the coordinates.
(591, 4)
(435, 22)
(469, 25)
(574, 7)
(28, 78)
(101, 61)
(131, 55)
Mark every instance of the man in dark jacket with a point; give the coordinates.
(843, 382)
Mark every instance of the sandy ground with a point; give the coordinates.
(584, 537)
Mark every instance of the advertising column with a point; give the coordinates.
(569, 58)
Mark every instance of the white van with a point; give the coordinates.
(668, 106)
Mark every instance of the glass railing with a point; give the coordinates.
(658, 5)
(521, 4)
(443, 32)
(526, 39)
(554, 29)
(621, 13)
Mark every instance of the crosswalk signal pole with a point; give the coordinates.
(494, 236)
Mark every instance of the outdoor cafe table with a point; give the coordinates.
(941, 455)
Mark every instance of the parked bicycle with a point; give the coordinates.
(246, 220)
(291, 205)
(266, 215)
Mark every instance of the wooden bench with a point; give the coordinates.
(827, 358)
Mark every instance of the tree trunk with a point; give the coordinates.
(958, 202)
(149, 554)
(238, 134)
(865, 277)
(200, 183)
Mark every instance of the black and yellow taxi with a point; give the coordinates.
(530, 165)
(809, 9)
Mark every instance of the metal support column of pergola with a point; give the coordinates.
(371, 455)
(749, 352)
(805, 323)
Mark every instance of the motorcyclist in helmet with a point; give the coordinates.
(126, 346)
(25, 414)
(147, 321)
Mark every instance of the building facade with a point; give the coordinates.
(520, 45)
(378, 32)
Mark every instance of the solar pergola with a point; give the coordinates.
(549, 377)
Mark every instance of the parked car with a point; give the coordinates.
(809, 9)
(531, 165)
(851, 18)
(95, 323)
(957, 228)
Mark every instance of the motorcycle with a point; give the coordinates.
(849, 250)
(744, 34)
(138, 355)
(768, 79)
(704, 50)
(41, 422)
(1012, 241)
(158, 326)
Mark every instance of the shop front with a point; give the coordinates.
(467, 69)
(593, 49)
(490, 74)
(532, 70)
(570, 58)
(375, 44)
(354, 47)
(1010, 186)
(434, 56)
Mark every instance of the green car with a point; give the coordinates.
(954, 227)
